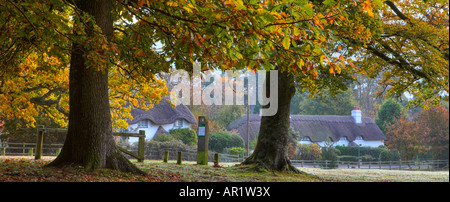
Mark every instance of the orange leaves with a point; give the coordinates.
(140, 53)
(368, 8)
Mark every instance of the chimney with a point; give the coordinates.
(356, 114)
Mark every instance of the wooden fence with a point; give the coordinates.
(188, 155)
(24, 149)
(39, 149)
(390, 165)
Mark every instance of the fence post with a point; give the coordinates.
(179, 158)
(141, 147)
(216, 158)
(40, 140)
(166, 157)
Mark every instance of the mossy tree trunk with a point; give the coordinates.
(89, 140)
(271, 150)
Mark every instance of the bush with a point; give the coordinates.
(367, 158)
(308, 152)
(331, 154)
(387, 155)
(221, 140)
(186, 135)
(164, 138)
(374, 153)
(348, 158)
(237, 151)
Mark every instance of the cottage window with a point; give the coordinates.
(143, 124)
(178, 123)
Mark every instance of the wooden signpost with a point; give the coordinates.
(203, 136)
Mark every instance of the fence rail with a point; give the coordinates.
(188, 155)
(23, 149)
(390, 165)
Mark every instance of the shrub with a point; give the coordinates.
(221, 140)
(368, 158)
(331, 154)
(308, 152)
(237, 151)
(164, 138)
(348, 158)
(186, 135)
(387, 155)
(364, 151)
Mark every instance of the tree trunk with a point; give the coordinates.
(89, 139)
(271, 150)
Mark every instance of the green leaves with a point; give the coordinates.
(286, 43)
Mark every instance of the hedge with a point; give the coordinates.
(221, 140)
(368, 153)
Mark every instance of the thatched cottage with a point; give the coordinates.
(160, 119)
(341, 130)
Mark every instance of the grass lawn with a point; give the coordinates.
(25, 169)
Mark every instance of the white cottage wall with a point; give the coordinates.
(152, 128)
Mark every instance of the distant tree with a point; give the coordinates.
(367, 93)
(407, 137)
(324, 104)
(228, 114)
(295, 102)
(388, 113)
(436, 119)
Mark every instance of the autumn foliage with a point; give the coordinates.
(429, 131)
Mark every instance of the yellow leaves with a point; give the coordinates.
(172, 4)
(286, 42)
(138, 91)
(229, 3)
(277, 15)
(332, 70)
(368, 8)
(189, 8)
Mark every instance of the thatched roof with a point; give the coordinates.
(160, 131)
(163, 113)
(317, 128)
